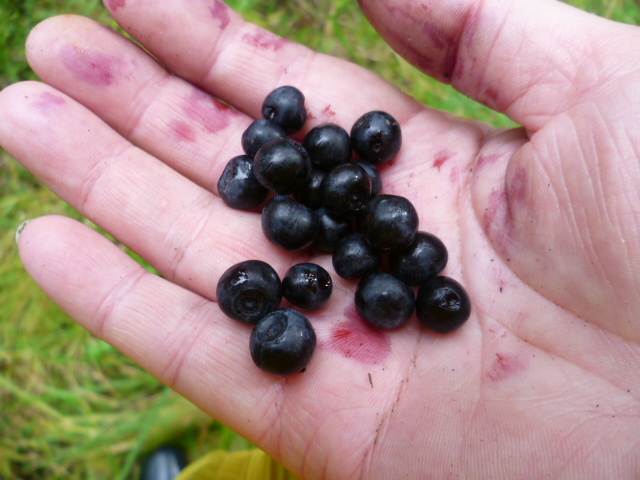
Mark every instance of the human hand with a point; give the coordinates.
(541, 224)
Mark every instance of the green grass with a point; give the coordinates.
(73, 407)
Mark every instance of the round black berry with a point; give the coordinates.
(238, 186)
(425, 258)
(384, 301)
(328, 145)
(282, 165)
(307, 286)
(442, 304)
(390, 222)
(331, 229)
(285, 107)
(311, 193)
(288, 223)
(346, 189)
(259, 133)
(283, 342)
(248, 291)
(354, 257)
(376, 137)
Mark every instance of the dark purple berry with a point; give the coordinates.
(283, 342)
(442, 304)
(354, 257)
(390, 222)
(259, 133)
(425, 258)
(311, 193)
(374, 175)
(331, 229)
(376, 137)
(238, 185)
(307, 286)
(346, 189)
(282, 165)
(248, 291)
(384, 301)
(288, 223)
(328, 145)
(285, 107)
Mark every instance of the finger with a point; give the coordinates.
(529, 60)
(162, 114)
(184, 231)
(208, 44)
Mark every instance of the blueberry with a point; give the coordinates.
(283, 342)
(288, 223)
(374, 175)
(442, 304)
(390, 222)
(425, 258)
(307, 286)
(354, 257)
(311, 193)
(285, 107)
(331, 229)
(346, 189)
(259, 133)
(376, 137)
(328, 145)
(238, 186)
(282, 165)
(248, 291)
(384, 301)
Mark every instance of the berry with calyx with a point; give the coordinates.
(376, 137)
(346, 189)
(307, 285)
(443, 304)
(285, 107)
(283, 342)
(249, 290)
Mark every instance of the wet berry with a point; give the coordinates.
(307, 286)
(285, 107)
(288, 223)
(282, 165)
(376, 137)
(328, 145)
(390, 222)
(283, 342)
(238, 186)
(346, 189)
(257, 134)
(354, 257)
(425, 258)
(384, 301)
(443, 304)
(248, 291)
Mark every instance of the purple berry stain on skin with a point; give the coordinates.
(95, 68)
(211, 114)
(505, 365)
(48, 103)
(356, 340)
(220, 11)
(265, 40)
(441, 158)
(183, 131)
(115, 4)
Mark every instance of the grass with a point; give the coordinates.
(73, 407)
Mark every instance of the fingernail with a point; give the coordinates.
(20, 229)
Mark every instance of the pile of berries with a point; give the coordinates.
(321, 198)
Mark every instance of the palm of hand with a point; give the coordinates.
(540, 381)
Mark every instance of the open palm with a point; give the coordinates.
(541, 224)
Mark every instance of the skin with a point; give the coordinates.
(541, 223)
